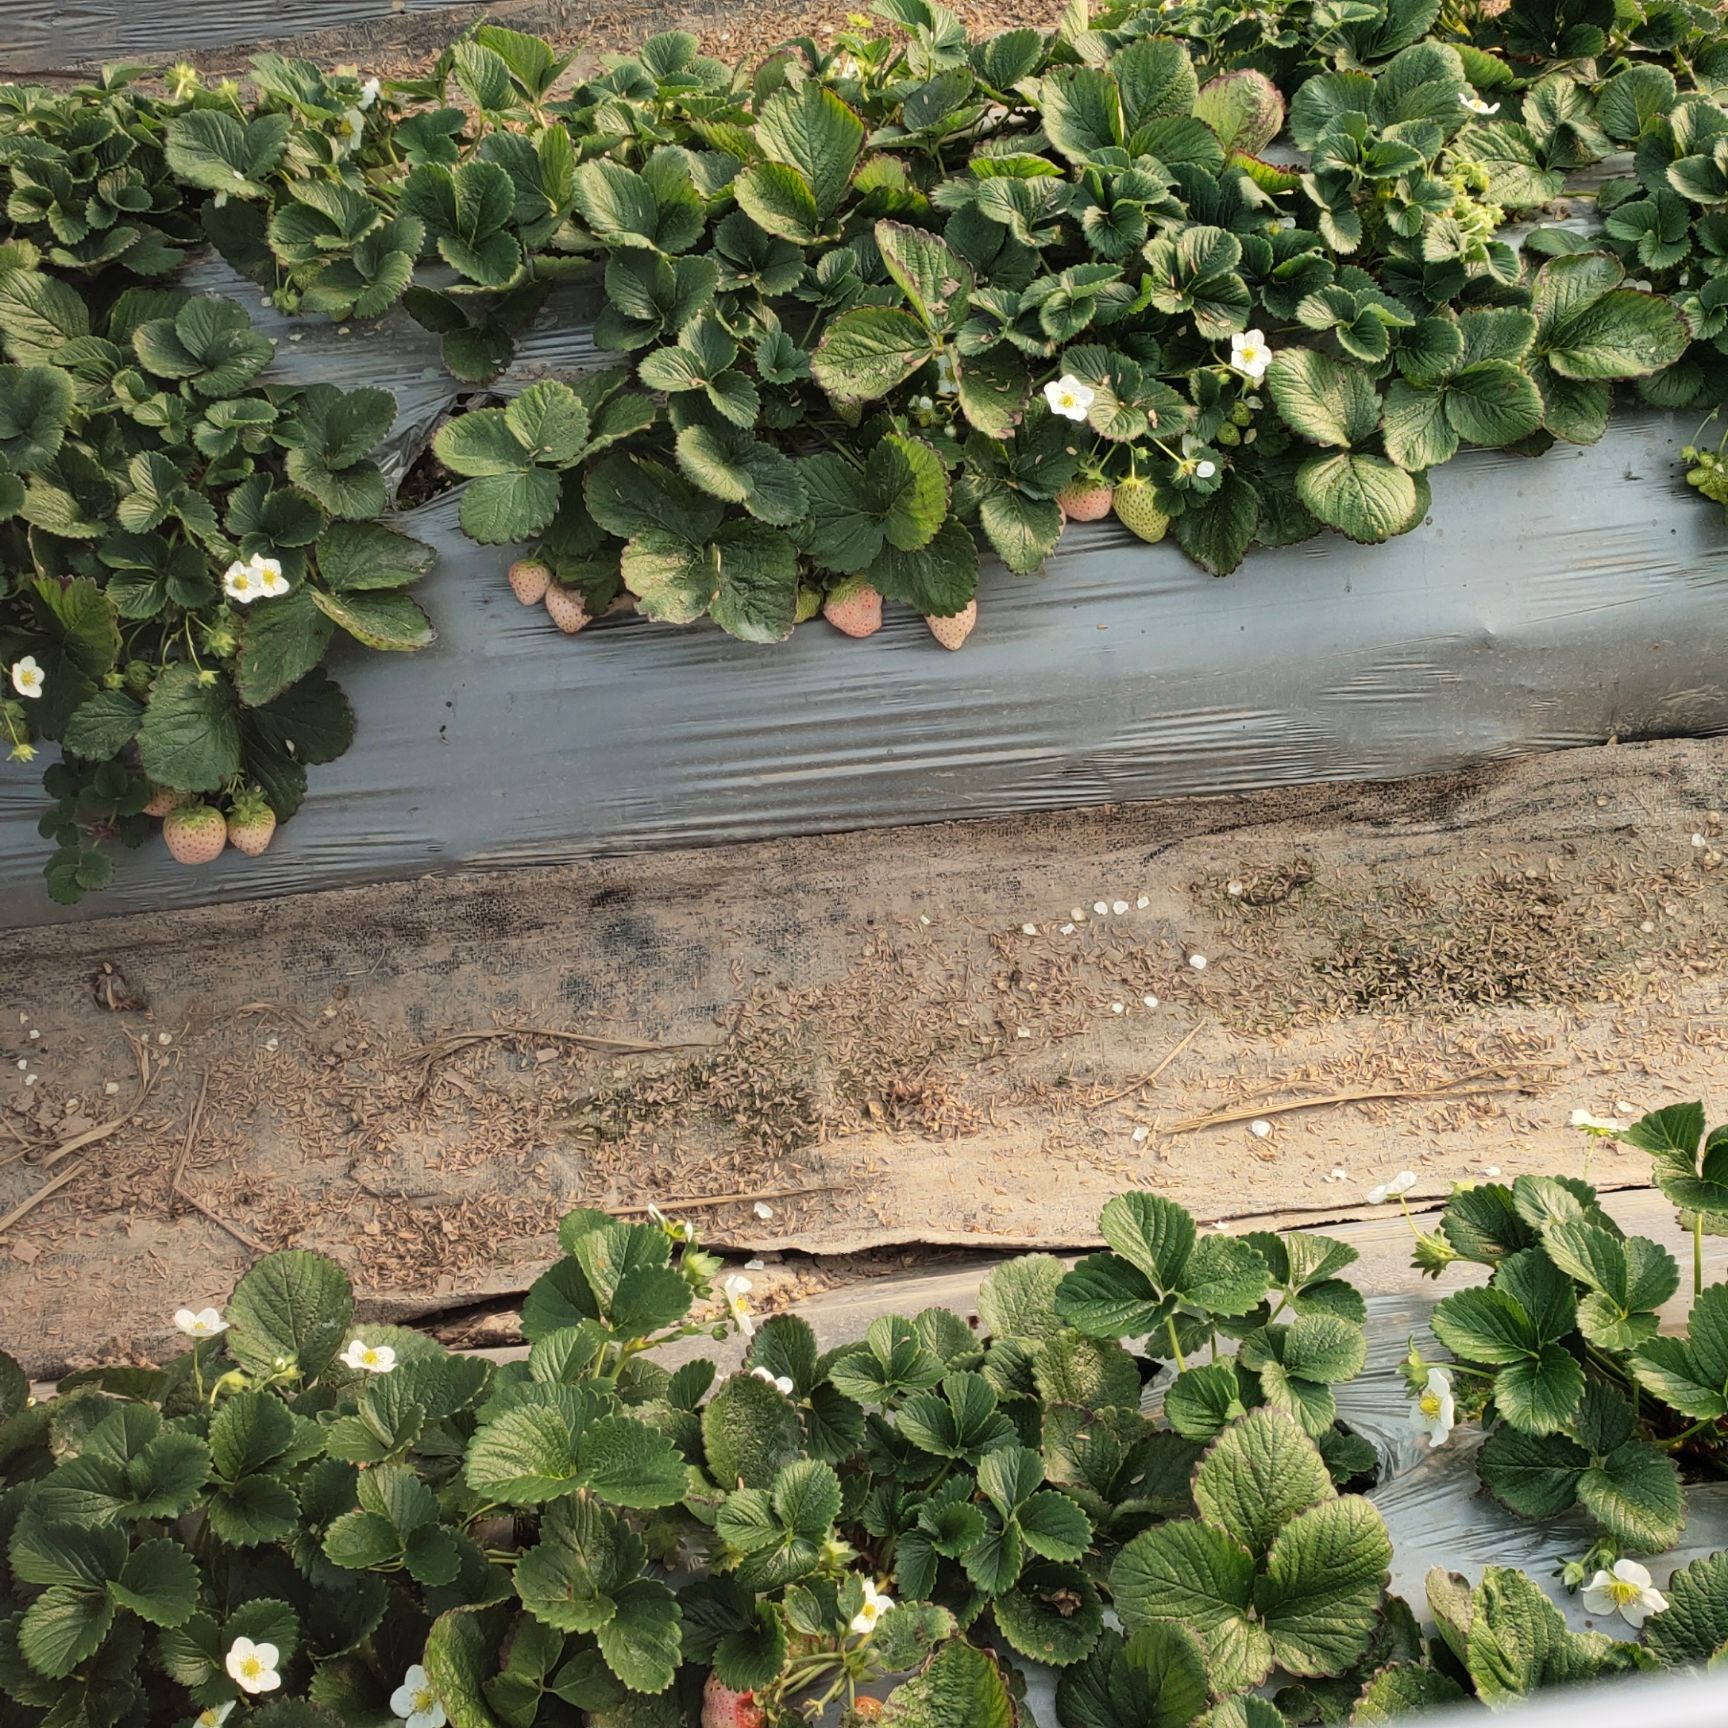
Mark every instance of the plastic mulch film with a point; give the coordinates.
(36, 38)
(1544, 603)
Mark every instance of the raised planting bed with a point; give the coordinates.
(877, 319)
(1190, 1479)
(1544, 604)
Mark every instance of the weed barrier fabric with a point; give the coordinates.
(37, 39)
(1544, 603)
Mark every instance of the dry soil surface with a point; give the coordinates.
(966, 1035)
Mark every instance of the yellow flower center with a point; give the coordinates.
(1429, 1404)
(251, 1667)
(369, 1357)
(423, 1699)
(1623, 1592)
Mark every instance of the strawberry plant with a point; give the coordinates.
(180, 544)
(345, 1524)
(1559, 1355)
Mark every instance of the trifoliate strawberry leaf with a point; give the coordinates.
(891, 1361)
(1260, 1474)
(658, 209)
(866, 352)
(466, 211)
(1693, 1629)
(292, 1305)
(745, 578)
(1588, 327)
(190, 735)
(960, 1683)
(209, 343)
(749, 1433)
(220, 152)
(808, 128)
(1298, 1365)
(1198, 1577)
(1156, 1678)
(961, 1420)
(1627, 1280)
(631, 496)
(729, 464)
(935, 279)
(1691, 1374)
(1319, 1598)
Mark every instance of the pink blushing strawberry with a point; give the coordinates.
(952, 632)
(1081, 503)
(196, 834)
(854, 608)
(724, 1708)
(528, 579)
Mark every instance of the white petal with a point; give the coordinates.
(1630, 1572)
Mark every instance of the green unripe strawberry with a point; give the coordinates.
(1138, 512)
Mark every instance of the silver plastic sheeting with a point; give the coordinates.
(1544, 603)
(36, 38)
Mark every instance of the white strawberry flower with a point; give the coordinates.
(252, 1667)
(1434, 1413)
(736, 1291)
(368, 93)
(782, 1383)
(1469, 99)
(27, 677)
(875, 1605)
(271, 581)
(415, 1701)
(946, 385)
(1249, 355)
(1626, 1591)
(350, 131)
(371, 1358)
(241, 583)
(206, 1323)
(1600, 1125)
(215, 1716)
(1068, 397)
(1402, 1183)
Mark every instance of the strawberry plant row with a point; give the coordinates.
(331, 1523)
(872, 311)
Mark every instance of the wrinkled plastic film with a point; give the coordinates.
(1544, 603)
(36, 38)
